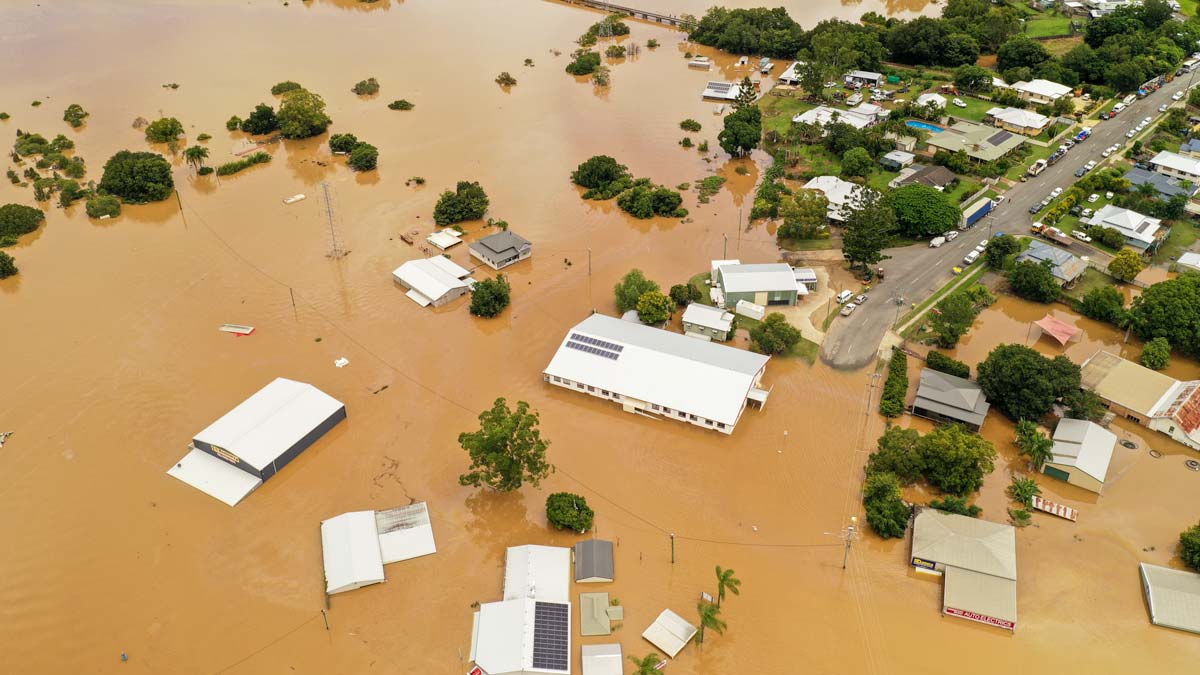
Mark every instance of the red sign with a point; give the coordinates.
(476, 671)
(981, 618)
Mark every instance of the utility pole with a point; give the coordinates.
(672, 548)
(725, 248)
(849, 534)
(590, 279)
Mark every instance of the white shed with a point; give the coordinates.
(356, 545)
(433, 281)
(604, 659)
(670, 633)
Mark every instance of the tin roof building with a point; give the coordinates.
(593, 561)
(1173, 597)
(529, 631)
(946, 398)
(978, 559)
(433, 281)
(355, 546)
(1081, 454)
(502, 249)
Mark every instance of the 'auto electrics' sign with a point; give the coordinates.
(981, 618)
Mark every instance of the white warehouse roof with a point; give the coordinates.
(753, 278)
(355, 546)
(708, 316)
(431, 277)
(1084, 445)
(669, 369)
(1173, 596)
(530, 630)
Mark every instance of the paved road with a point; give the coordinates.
(916, 272)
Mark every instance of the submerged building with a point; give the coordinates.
(1148, 397)
(978, 560)
(529, 631)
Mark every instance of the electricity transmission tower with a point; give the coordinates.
(336, 249)
(849, 535)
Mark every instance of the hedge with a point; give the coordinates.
(941, 362)
(231, 168)
(895, 388)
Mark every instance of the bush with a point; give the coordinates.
(8, 266)
(233, 123)
(75, 115)
(586, 62)
(603, 177)
(400, 104)
(999, 249)
(631, 288)
(231, 168)
(262, 120)
(644, 200)
(1103, 303)
(1156, 354)
(70, 192)
(164, 130)
(4, 116)
(681, 294)
(1189, 547)
(302, 114)
(204, 137)
(1022, 490)
(505, 79)
(467, 202)
(774, 335)
(957, 505)
(895, 388)
(205, 170)
(615, 51)
(654, 308)
(364, 157)
(1125, 265)
(1170, 309)
(652, 43)
(941, 362)
(284, 87)
(103, 205)
(343, 143)
(31, 144)
(367, 87)
(18, 219)
(887, 513)
(568, 511)
(137, 177)
(490, 297)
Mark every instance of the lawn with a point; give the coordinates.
(1188, 7)
(1060, 46)
(778, 111)
(1183, 235)
(975, 111)
(963, 189)
(879, 179)
(1037, 152)
(1092, 278)
(819, 160)
(1048, 25)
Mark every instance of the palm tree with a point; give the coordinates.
(709, 618)
(726, 582)
(1034, 444)
(645, 665)
(196, 155)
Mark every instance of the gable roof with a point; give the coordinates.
(708, 316)
(1043, 88)
(1178, 162)
(1128, 384)
(538, 572)
(1018, 117)
(932, 175)
(1190, 259)
(979, 141)
(1165, 185)
(757, 277)
(350, 550)
(431, 277)
(1173, 596)
(951, 396)
(969, 543)
(669, 632)
(594, 559)
(1084, 445)
(927, 98)
(497, 245)
(1066, 267)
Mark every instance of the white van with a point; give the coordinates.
(936, 242)
(971, 257)
(1119, 107)
(844, 296)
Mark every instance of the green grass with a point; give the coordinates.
(1048, 25)
(964, 187)
(1090, 279)
(804, 349)
(879, 180)
(820, 161)
(975, 111)
(779, 110)
(806, 244)
(970, 277)
(1037, 152)
(1183, 235)
(1188, 7)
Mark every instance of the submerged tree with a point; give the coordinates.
(507, 450)
(196, 155)
(710, 617)
(726, 582)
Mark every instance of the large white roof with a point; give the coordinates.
(1084, 445)
(757, 277)
(1018, 117)
(1190, 259)
(701, 378)
(404, 533)
(708, 316)
(538, 572)
(822, 115)
(669, 632)
(1130, 223)
(1044, 88)
(1178, 162)
(431, 277)
(214, 477)
(350, 548)
(926, 99)
(267, 424)
(1173, 596)
(509, 639)
(970, 543)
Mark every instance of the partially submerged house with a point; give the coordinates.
(1140, 231)
(670, 633)
(722, 91)
(707, 322)
(1148, 397)
(658, 373)
(1065, 266)
(978, 560)
(605, 659)
(1173, 597)
(946, 398)
(433, 281)
(1081, 454)
(762, 284)
(355, 546)
(593, 561)
(502, 249)
(445, 239)
(529, 631)
(247, 445)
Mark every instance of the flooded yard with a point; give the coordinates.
(115, 361)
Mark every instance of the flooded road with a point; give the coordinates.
(115, 361)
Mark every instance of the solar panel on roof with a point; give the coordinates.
(593, 350)
(997, 139)
(719, 87)
(551, 639)
(611, 346)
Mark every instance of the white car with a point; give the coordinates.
(1148, 120)
(1056, 192)
(1087, 213)
(1177, 96)
(1107, 152)
(1079, 234)
(848, 308)
(1093, 198)
(1131, 133)
(959, 102)
(982, 245)
(1108, 195)
(951, 235)
(1090, 165)
(1163, 107)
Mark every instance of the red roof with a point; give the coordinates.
(1059, 330)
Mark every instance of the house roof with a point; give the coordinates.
(1130, 223)
(900, 156)
(1191, 145)
(538, 572)
(967, 543)
(404, 532)
(1190, 259)
(445, 239)
(500, 245)
(593, 614)
(1125, 383)
(594, 560)
(431, 277)
(271, 421)
(522, 635)
(1066, 267)
(980, 593)
(606, 659)
(1084, 445)
(864, 75)
(701, 378)
(951, 396)
(981, 142)
(350, 549)
(1167, 186)
(708, 316)
(822, 115)
(926, 99)
(1020, 118)
(839, 192)
(1173, 596)
(754, 278)
(931, 175)
(1044, 88)
(727, 91)
(1183, 406)
(669, 632)
(790, 75)
(1178, 162)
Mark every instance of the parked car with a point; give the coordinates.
(844, 296)
(951, 235)
(982, 244)
(1056, 192)
(1090, 165)
(1087, 213)
(959, 103)
(1163, 107)
(1107, 152)
(1177, 96)
(1080, 171)
(1080, 235)
(980, 249)
(1131, 133)
(997, 201)
(1036, 208)
(1068, 145)
(1093, 198)
(1148, 120)
(956, 269)
(1075, 210)
(936, 242)
(860, 299)
(970, 257)
(848, 309)
(1108, 195)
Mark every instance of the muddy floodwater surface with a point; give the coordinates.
(113, 361)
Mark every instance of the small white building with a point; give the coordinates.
(355, 546)
(670, 633)
(823, 115)
(1173, 597)
(863, 78)
(658, 373)
(707, 322)
(1081, 454)
(529, 631)
(839, 192)
(937, 100)
(1139, 230)
(1189, 262)
(502, 249)
(1041, 92)
(791, 76)
(433, 281)
(897, 160)
(606, 659)
(722, 91)
(806, 277)
(1177, 165)
(445, 239)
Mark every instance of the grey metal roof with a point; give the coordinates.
(1165, 185)
(951, 396)
(931, 175)
(495, 245)
(1066, 267)
(1173, 597)
(969, 543)
(594, 560)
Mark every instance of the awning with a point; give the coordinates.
(418, 298)
(759, 396)
(214, 477)
(1061, 331)
(980, 597)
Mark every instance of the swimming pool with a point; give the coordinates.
(931, 128)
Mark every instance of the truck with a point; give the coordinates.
(1083, 134)
(1058, 154)
(975, 212)
(936, 242)
(1056, 235)
(1037, 167)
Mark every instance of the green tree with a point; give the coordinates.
(710, 618)
(137, 177)
(1023, 384)
(973, 78)
(364, 157)
(745, 97)
(1022, 490)
(585, 62)
(952, 318)
(654, 307)
(507, 450)
(18, 219)
(774, 335)
(284, 87)
(887, 514)
(805, 216)
(895, 387)
(956, 505)
(999, 249)
(75, 115)
(164, 130)
(857, 162)
(1156, 354)
(1189, 547)
(1034, 281)
(956, 460)
(1103, 303)
(1125, 265)
(1034, 444)
(103, 205)
(922, 211)
(490, 297)
(897, 453)
(940, 362)
(1021, 52)
(367, 87)
(567, 511)
(302, 114)
(1170, 309)
(690, 125)
(597, 174)
(727, 582)
(401, 104)
(262, 120)
(343, 143)
(8, 267)
(233, 123)
(631, 288)
(1083, 404)
(196, 155)
(646, 200)
(868, 225)
(646, 664)
(681, 294)
(467, 202)
(742, 132)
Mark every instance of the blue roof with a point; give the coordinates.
(1192, 145)
(1165, 185)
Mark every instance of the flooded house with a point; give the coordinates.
(593, 561)
(529, 631)
(721, 91)
(604, 659)
(502, 249)
(356, 545)
(1145, 396)
(942, 397)
(433, 281)
(1173, 597)
(251, 443)
(654, 372)
(707, 322)
(1081, 454)
(977, 560)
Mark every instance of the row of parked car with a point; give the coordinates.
(844, 298)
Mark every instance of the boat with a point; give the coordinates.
(293, 199)
(237, 328)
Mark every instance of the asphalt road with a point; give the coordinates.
(916, 272)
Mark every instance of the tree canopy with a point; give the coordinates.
(952, 319)
(857, 162)
(137, 177)
(654, 308)
(1156, 354)
(8, 267)
(1023, 384)
(922, 211)
(302, 114)
(999, 249)
(631, 288)
(774, 335)
(507, 450)
(567, 511)
(955, 459)
(887, 514)
(468, 201)
(1189, 547)
(18, 219)
(490, 296)
(868, 225)
(164, 130)
(742, 132)
(1034, 281)
(1125, 265)
(262, 120)
(898, 453)
(1170, 309)
(646, 200)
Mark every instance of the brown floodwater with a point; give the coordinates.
(115, 360)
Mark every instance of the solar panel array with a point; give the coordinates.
(720, 87)
(594, 346)
(551, 639)
(999, 138)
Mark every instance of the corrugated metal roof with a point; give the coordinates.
(539, 572)
(1173, 596)
(350, 549)
(1084, 445)
(670, 632)
(981, 593)
(1125, 383)
(495, 245)
(969, 543)
(594, 560)
(607, 659)
(757, 278)
(708, 316)
(951, 396)
(431, 277)
(405, 533)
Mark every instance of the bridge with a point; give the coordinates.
(651, 17)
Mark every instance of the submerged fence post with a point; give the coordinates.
(672, 548)
(325, 616)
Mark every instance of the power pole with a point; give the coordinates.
(725, 248)
(849, 534)
(336, 250)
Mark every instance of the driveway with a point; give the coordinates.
(916, 272)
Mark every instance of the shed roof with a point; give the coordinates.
(669, 632)
(404, 533)
(350, 548)
(271, 421)
(900, 156)
(968, 543)
(757, 277)
(927, 98)
(1084, 445)
(594, 560)
(951, 396)
(431, 277)
(214, 477)
(1190, 259)
(607, 659)
(539, 572)
(864, 75)
(522, 636)
(1173, 596)
(1125, 383)
(980, 593)
(726, 91)
(701, 378)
